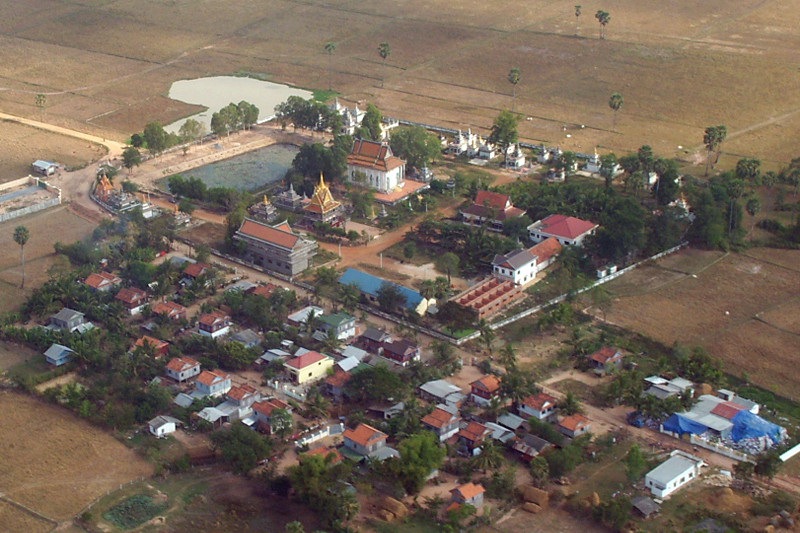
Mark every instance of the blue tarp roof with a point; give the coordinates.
(371, 285)
(682, 425)
(746, 425)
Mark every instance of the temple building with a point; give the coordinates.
(289, 200)
(276, 248)
(103, 190)
(263, 210)
(323, 208)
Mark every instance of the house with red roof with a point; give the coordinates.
(334, 385)
(380, 168)
(132, 299)
(158, 347)
(276, 248)
(263, 412)
(493, 207)
(195, 270)
(443, 421)
(401, 351)
(308, 368)
(605, 360)
(243, 396)
(469, 438)
(182, 368)
(567, 230)
(212, 383)
(574, 425)
(102, 281)
(364, 439)
(470, 493)
(170, 310)
(540, 406)
(484, 389)
(265, 291)
(214, 324)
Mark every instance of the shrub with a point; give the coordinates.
(134, 511)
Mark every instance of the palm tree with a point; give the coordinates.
(41, 101)
(603, 18)
(569, 404)
(513, 79)
(712, 139)
(349, 296)
(21, 236)
(428, 289)
(316, 406)
(384, 50)
(487, 334)
(507, 357)
(753, 206)
(491, 457)
(330, 47)
(577, 17)
(615, 102)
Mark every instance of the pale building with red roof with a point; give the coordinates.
(308, 368)
(364, 439)
(383, 171)
(540, 406)
(605, 360)
(493, 207)
(132, 299)
(442, 421)
(470, 493)
(212, 383)
(277, 248)
(567, 230)
(214, 324)
(182, 368)
(171, 310)
(484, 389)
(158, 347)
(574, 425)
(102, 281)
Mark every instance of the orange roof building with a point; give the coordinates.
(442, 422)
(213, 324)
(485, 388)
(470, 493)
(195, 270)
(132, 299)
(102, 281)
(103, 190)
(182, 368)
(158, 346)
(172, 310)
(574, 425)
(376, 163)
(567, 230)
(213, 383)
(322, 207)
(545, 252)
(364, 439)
(277, 248)
(539, 405)
(493, 207)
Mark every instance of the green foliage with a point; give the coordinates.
(614, 513)
(546, 431)
(635, 465)
(420, 454)
(315, 159)
(416, 145)
(241, 447)
(318, 482)
(504, 130)
(134, 511)
(389, 297)
(375, 384)
(155, 138)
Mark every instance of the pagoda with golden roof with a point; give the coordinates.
(103, 190)
(322, 207)
(263, 210)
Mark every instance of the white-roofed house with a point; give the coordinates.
(672, 474)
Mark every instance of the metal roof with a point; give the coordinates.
(371, 285)
(669, 470)
(439, 388)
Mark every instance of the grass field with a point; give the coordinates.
(107, 66)
(740, 307)
(55, 463)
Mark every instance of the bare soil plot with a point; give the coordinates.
(722, 309)
(14, 354)
(56, 463)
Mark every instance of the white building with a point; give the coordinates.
(567, 230)
(518, 266)
(161, 426)
(351, 118)
(672, 474)
(382, 170)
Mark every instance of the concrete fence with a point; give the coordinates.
(30, 209)
(17, 183)
(788, 454)
(720, 449)
(319, 434)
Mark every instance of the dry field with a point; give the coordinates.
(741, 308)
(682, 66)
(13, 354)
(55, 463)
(46, 228)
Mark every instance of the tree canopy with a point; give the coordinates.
(416, 145)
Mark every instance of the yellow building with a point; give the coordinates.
(308, 368)
(323, 208)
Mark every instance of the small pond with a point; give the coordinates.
(250, 171)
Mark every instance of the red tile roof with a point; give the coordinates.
(494, 200)
(371, 154)
(307, 359)
(239, 392)
(155, 343)
(98, 279)
(209, 377)
(364, 435)
(474, 432)
(338, 379)
(179, 364)
(324, 452)
(438, 418)
(488, 383)
(267, 406)
(565, 227)
(546, 249)
(539, 401)
(604, 355)
(468, 491)
(574, 422)
(194, 270)
(168, 308)
(210, 319)
(273, 235)
(727, 409)
(131, 295)
(263, 290)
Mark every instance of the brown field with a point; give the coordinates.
(759, 333)
(14, 519)
(55, 463)
(46, 228)
(680, 67)
(13, 354)
(22, 145)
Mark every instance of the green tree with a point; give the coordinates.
(281, 423)
(577, 18)
(569, 404)
(155, 137)
(384, 50)
(504, 131)
(513, 79)
(615, 102)
(420, 454)
(389, 297)
(416, 145)
(131, 157)
(41, 102)
(448, 263)
(349, 295)
(712, 139)
(539, 471)
(191, 130)
(508, 358)
(241, 447)
(635, 465)
(186, 206)
(603, 18)
(490, 458)
(753, 206)
(608, 163)
(375, 384)
(330, 47)
(316, 406)
(371, 124)
(487, 334)
(21, 236)
(767, 465)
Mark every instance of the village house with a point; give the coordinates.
(443, 421)
(470, 493)
(58, 354)
(341, 325)
(263, 412)
(68, 320)
(373, 339)
(308, 368)
(45, 168)
(540, 406)
(334, 385)
(521, 266)
(169, 310)
(469, 438)
(370, 287)
(194, 271)
(182, 368)
(574, 425)
(493, 207)
(605, 360)
(161, 426)
(102, 281)
(239, 401)
(265, 291)
(383, 171)
(401, 351)
(157, 347)
(529, 446)
(276, 248)
(212, 383)
(247, 338)
(214, 324)
(569, 231)
(672, 474)
(132, 299)
(364, 439)
(300, 318)
(483, 390)
(442, 391)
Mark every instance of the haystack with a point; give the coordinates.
(534, 495)
(395, 507)
(531, 508)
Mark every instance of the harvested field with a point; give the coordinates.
(56, 463)
(680, 67)
(739, 307)
(14, 354)
(15, 519)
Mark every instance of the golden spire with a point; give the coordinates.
(266, 201)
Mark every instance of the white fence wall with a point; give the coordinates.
(788, 454)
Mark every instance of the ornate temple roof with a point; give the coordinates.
(322, 201)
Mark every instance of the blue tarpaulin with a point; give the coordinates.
(746, 425)
(681, 425)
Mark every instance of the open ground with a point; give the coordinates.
(56, 464)
(106, 66)
(740, 307)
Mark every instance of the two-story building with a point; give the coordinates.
(492, 208)
(263, 412)
(517, 266)
(373, 339)
(540, 406)
(469, 438)
(374, 160)
(244, 396)
(341, 325)
(276, 248)
(308, 368)
(214, 324)
(401, 351)
(132, 299)
(567, 230)
(212, 383)
(443, 421)
(484, 389)
(364, 439)
(182, 368)
(67, 320)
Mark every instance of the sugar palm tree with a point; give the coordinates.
(330, 47)
(615, 102)
(577, 17)
(41, 101)
(603, 18)
(513, 79)
(384, 50)
(491, 456)
(21, 236)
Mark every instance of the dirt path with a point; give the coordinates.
(114, 148)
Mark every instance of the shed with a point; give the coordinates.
(58, 354)
(161, 426)
(645, 506)
(248, 338)
(45, 168)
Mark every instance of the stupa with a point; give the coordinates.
(263, 210)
